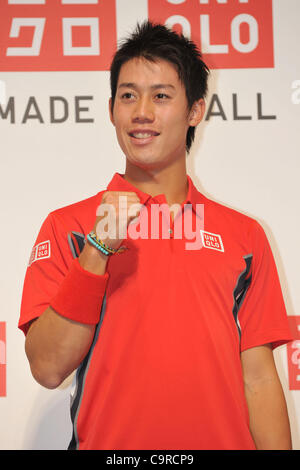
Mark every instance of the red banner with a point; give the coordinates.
(53, 35)
(230, 33)
(293, 353)
(2, 359)
(57, 35)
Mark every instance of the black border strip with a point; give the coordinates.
(80, 382)
(241, 289)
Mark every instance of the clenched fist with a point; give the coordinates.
(116, 211)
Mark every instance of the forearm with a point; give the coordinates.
(269, 422)
(60, 338)
(55, 344)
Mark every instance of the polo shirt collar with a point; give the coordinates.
(119, 183)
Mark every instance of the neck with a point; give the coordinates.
(170, 181)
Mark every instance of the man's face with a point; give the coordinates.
(151, 113)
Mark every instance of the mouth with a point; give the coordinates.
(143, 136)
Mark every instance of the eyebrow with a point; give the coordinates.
(153, 87)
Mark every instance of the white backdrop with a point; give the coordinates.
(251, 165)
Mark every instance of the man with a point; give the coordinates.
(172, 342)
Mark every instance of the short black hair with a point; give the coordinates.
(155, 41)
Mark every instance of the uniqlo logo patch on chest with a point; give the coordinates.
(212, 241)
(40, 251)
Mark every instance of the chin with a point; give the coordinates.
(144, 162)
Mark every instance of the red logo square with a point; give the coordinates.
(229, 33)
(2, 359)
(212, 241)
(43, 250)
(57, 35)
(40, 251)
(293, 353)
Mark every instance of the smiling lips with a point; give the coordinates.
(143, 135)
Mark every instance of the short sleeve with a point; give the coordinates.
(262, 316)
(47, 267)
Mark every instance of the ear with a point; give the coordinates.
(197, 112)
(111, 112)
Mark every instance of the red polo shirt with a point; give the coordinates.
(164, 369)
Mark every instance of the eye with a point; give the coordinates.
(162, 96)
(127, 95)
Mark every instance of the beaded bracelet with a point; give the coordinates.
(106, 250)
(97, 245)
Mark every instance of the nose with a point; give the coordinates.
(143, 110)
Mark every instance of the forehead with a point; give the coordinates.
(142, 71)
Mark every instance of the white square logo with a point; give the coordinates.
(213, 241)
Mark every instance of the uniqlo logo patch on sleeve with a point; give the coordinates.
(293, 353)
(40, 251)
(212, 241)
(229, 33)
(2, 359)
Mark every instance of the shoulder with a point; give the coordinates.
(78, 207)
(240, 232)
(81, 212)
(234, 220)
(76, 217)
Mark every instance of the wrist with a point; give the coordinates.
(80, 295)
(93, 260)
